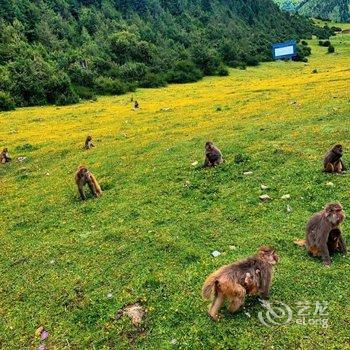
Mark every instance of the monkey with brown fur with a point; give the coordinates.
(82, 177)
(332, 161)
(323, 234)
(233, 282)
(4, 156)
(88, 143)
(213, 155)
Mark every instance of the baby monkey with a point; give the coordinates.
(233, 282)
(82, 177)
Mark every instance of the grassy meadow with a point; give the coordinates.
(71, 265)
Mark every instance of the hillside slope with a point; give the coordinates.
(70, 265)
(336, 10)
(53, 51)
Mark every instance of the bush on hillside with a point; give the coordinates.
(331, 49)
(7, 103)
(109, 86)
(184, 72)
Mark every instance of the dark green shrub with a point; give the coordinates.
(302, 53)
(325, 43)
(207, 60)
(108, 86)
(63, 100)
(251, 61)
(80, 75)
(331, 49)
(184, 72)
(7, 103)
(152, 80)
(303, 42)
(132, 71)
(222, 71)
(84, 93)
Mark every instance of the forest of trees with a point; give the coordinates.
(58, 51)
(335, 10)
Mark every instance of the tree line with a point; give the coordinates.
(60, 51)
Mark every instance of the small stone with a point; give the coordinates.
(248, 314)
(41, 347)
(195, 163)
(52, 262)
(264, 187)
(44, 334)
(173, 341)
(109, 296)
(47, 174)
(247, 173)
(286, 196)
(215, 253)
(329, 184)
(232, 247)
(264, 197)
(187, 183)
(21, 159)
(289, 209)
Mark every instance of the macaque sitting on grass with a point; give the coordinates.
(213, 155)
(323, 233)
(4, 156)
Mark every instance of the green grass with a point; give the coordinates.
(151, 234)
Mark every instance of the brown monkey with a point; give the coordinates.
(323, 235)
(88, 143)
(213, 155)
(136, 105)
(251, 276)
(4, 156)
(82, 177)
(332, 161)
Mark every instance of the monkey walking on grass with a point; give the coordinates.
(82, 177)
(233, 282)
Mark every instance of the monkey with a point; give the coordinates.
(251, 276)
(332, 161)
(213, 155)
(82, 177)
(88, 143)
(136, 105)
(4, 156)
(323, 235)
(251, 282)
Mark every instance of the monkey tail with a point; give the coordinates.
(208, 287)
(97, 186)
(211, 284)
